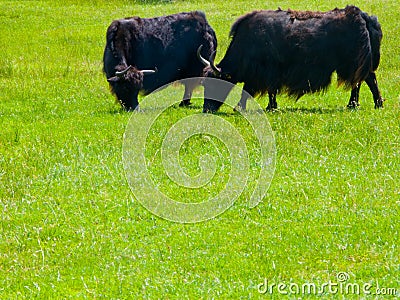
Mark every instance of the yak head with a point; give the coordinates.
(214, 93)
(211, 70)
(127, 83)
(131, 75)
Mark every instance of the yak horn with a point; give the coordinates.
(204, 61)
(209, 63)
(123, 72)
(216, 70)
(144, 72)
(148, 72)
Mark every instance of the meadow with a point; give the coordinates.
(70, 226)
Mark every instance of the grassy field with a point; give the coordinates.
(71, 228)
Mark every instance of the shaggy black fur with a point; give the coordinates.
(297, 52)
(167, 44)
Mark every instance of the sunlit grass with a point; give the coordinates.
(70, 226)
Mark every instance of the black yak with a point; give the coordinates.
(142, 55)
(296, 52)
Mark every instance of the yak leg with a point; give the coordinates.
(373, 86)
(241, 106)
(355, 93)
(190, 85)
(215, 93)
(247, 92)
(272, 101)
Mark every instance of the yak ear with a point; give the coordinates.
(113, 79)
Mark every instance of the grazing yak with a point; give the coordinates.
(142, 55)
(296, 52)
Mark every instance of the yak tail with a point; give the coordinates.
(375, 37)
(364, 58)
(357, 70)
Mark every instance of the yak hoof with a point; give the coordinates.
(238, 108)
(185, 103)
(353, 105)
(209, 111)
(379, 103)
(132, 109)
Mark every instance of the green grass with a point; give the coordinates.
(70, 226)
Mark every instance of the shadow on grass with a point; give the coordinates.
(284, 110)
(117, 110)
(312, 110)
(152, 2)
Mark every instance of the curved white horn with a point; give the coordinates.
(123, 72)
(201, 58)
(212, 65)
(148, 72)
